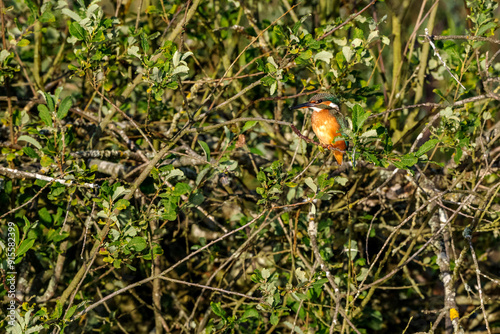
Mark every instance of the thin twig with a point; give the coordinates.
(352, 17)
(117, 292)
(437, 105)
(436, 53)
(129, 119)
(468, 237)
(17, 174)
(465, 37)
(254, 40)
(313, 232)
(210, 288)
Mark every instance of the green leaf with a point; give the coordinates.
(313, 44)
(181, 70)
(170, 212)
(134, 51)
(24, 247)
(70, 312)
(117, 263)
(64, 107)
(278, 30)
(217, 309)
(144, 42)
(359, 116)
(57, 189)
(272, 64)
(448, 113)
(46, 161)
(299, 296)
(428, 145)
(323, 180)
(458, 155)
(196, 199)
(358, 33)
(270, 68)
(201, 175)
(57, 93)
(45, 114)
(369, 134)
(274, 319)
(205, 148)
(341, 180)
(58, 310)
(50, 102)
(306, 54)
(488, 26)
(256, 276)
(176, 58)
(371, 158)
(4, 54)
(119, 191)
(374, 34)
(23, 42)
(268, 81)
(347, 52)
(77, 31)
(229, 165)
(324, 56)
(301, 275)
(339, 57)
(121, 204)
(172, 85)
(296, 26)
(184, 56)
(251, 313)
(340, 41)
(30, 152)
(273, 88)
(71, 14)
(47, 17)
(310, 183)
(181, 189)
(30, 140)
(409, 160)
(322, 281)
(265, 273)
(248, 125)
(137, 243)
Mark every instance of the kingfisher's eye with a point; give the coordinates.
(319, 101)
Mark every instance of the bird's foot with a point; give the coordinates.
(333, 148)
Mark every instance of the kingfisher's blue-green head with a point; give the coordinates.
(319, 102)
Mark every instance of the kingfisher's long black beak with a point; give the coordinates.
(303, 105)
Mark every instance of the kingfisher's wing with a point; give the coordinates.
(340, 119)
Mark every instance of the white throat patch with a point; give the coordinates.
(329, 104)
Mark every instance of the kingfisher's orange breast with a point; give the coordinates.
(326, 127)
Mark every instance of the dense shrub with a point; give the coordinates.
(154, 178)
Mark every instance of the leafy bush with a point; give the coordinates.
(155, 179)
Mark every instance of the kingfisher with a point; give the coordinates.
(324, 122)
